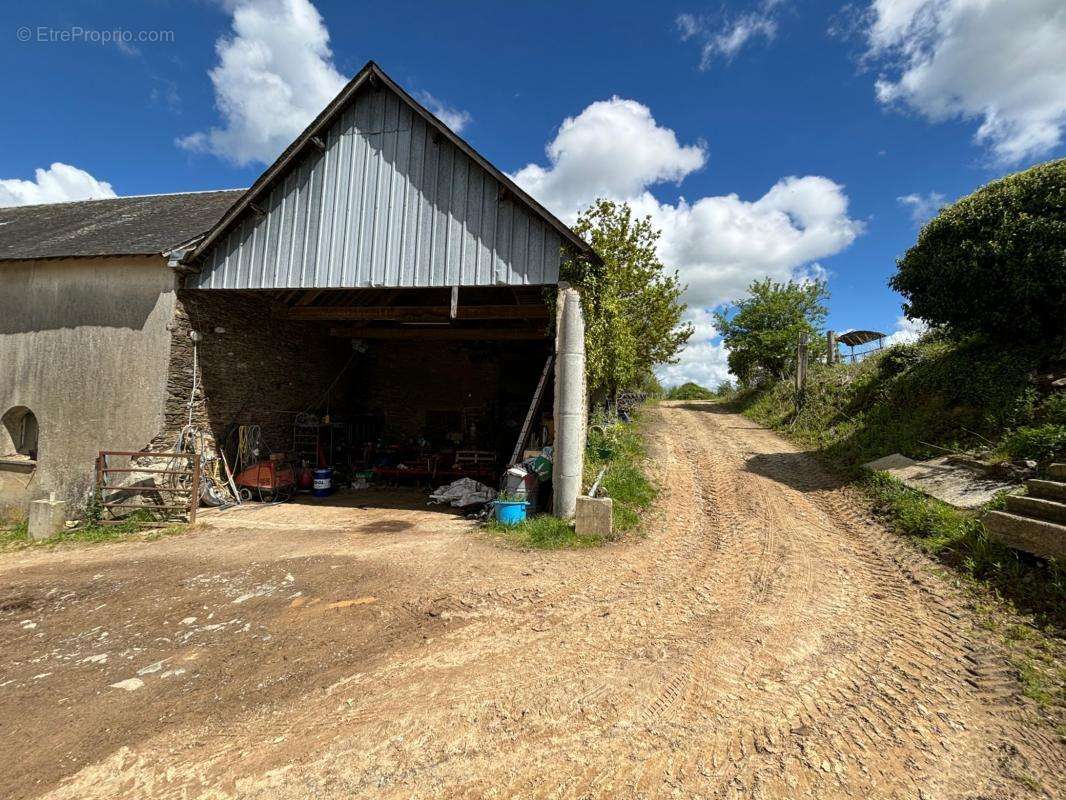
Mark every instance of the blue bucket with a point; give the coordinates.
(511, 512)
(323, 485)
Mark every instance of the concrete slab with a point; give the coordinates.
(593, 516)
(957, 484)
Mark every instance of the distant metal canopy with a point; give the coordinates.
(377, 192)
(855, 338)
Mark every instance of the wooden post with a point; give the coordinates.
(831, 355)
(801, 367)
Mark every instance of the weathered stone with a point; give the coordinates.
(593, 516)
(1036, 536)
(47, 518)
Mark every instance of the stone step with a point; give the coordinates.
(1057, 471)
(1045, 539)
(1052, 490)
(1037, 507)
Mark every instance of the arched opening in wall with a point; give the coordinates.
(18, 434)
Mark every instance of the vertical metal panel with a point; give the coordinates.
(389, 202)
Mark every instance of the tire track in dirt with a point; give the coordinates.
(766, 640)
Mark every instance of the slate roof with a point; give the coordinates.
(118, 226)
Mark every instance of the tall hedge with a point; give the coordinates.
(994, 262)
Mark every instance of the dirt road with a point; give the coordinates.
(765, 640)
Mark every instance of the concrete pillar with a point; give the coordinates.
(571, 403)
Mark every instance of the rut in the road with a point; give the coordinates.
(765, 640)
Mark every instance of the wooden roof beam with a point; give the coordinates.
(357, 313)
(443, 334)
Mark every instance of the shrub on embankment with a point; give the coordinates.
(922, 399)
(994, 262)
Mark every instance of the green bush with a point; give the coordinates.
(899, 358)
(1039, 443)
(994, 262)
(689, 391)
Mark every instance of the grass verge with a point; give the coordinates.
(618, 446)
(15, 535)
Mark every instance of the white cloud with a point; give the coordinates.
(615, 149)
(727, 37)
(907, 331)
(59, 183)
(923, 207)
(275, 74)
(704, 361)
(1001, 62)
(454, 118)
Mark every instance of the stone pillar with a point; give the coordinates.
(47, 518)
(571, 403)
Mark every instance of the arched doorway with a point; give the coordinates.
(18, 433)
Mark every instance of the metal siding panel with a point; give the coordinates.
(516, 269)
(383, 218)
(440, 200)
(412, 210)
(288, 223)
(337, 206)
(277, 217)
(385, 205)
(400, 189)
(504, 222)
(357, 189)
(457, 219)
(243, 256)
(553, 251)
(487, 239)
(255, 268)
(316, 169)
(535, 262)
(323, 224)
(472, 248)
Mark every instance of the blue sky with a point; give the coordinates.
(715, 103)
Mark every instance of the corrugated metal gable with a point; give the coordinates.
(388, 202)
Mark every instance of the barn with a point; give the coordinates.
(381, 299)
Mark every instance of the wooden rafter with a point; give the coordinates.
(356, 313)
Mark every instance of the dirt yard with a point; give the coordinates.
(766, 640)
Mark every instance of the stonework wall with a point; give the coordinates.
(252, 369)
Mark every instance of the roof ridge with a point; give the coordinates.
(123, 197)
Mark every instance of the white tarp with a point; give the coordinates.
(463, 492)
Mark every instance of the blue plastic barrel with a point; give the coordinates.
(511, 512)
(323, 482)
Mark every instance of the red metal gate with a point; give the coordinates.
(183, 482)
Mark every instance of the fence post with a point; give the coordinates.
(831, 355)
(801, 367)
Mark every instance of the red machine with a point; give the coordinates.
(266, 479)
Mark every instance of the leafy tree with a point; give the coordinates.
(632, 305)
(995, 261)
(762, 329)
